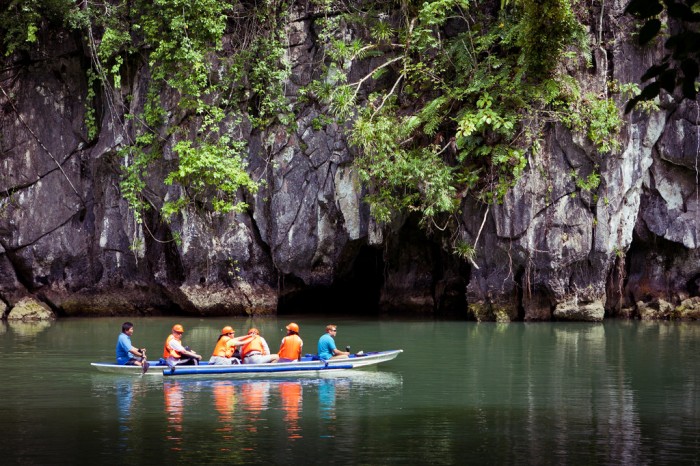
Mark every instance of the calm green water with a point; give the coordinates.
(461, 393)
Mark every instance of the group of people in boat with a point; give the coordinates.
(229, 349)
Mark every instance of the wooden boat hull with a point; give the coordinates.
(308, 366)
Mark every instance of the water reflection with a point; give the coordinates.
(174, 408)
(28, 329)
(291, 394)
(590, 358)
(254, 399)
(326, 396)
(613, 393)
(224, 402)
(130, 394)
(246, 408)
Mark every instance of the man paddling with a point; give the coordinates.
(127, 354)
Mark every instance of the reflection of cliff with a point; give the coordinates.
(559, 378)
(604, 397)
(28, 329)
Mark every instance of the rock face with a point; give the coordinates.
(29, 310)
(550, 251)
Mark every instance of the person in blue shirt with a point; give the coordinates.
(127, 354)
(326, 345)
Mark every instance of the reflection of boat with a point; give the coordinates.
(291, 396)
(175, 408)
(308, 366)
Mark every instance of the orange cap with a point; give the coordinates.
(178, 328)
(226, 330)
(293, 327)
(253, 331)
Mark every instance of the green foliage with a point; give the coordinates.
(212, 173)
(604, 124)
(465, 251)
(136, 169)
(268, 77)
(321, 122)
(180, 42)
(90, 117)
(630, 91)
(20, 21)
(589, 183)
(462, 93)
(418, 172)
(599, 118)
(547, 29)
(454, 114)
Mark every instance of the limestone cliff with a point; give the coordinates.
(550, 251)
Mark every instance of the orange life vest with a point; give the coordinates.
(253, 345)
(222, 348)
(167, 351)
(291, 347)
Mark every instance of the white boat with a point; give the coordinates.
(308, 365)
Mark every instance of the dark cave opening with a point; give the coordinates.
(355, 292)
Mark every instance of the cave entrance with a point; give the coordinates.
(355, 292)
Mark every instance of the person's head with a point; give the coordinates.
(332, 329)
(127, 327)
(178, 330)
(253, 331)
(228, 331)
(292, 328)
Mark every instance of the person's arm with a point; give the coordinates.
(192, 354)
(337, 352)
(137, 352)
(240, 340)
(266, 348)
(177, 346)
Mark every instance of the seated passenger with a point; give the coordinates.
(256, 350)
(226, 346)
(175, 353)
(326, 345)
(290, 349)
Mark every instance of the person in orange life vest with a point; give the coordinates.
(175, 353)
(290, 349)
(256, 350)
(225, 347)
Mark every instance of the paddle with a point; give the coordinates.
(144, 361)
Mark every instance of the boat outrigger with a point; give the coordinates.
(308, 365)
